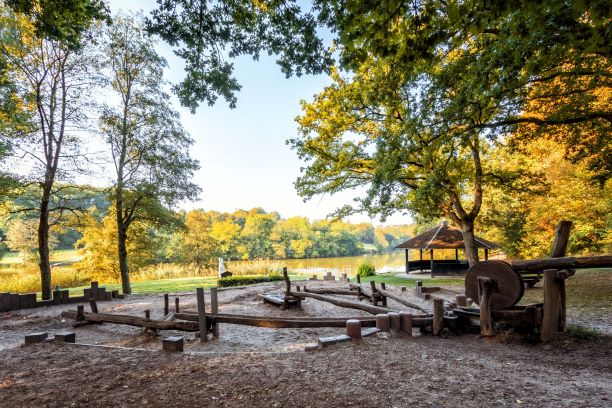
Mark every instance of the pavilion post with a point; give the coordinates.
(407, 261)
(486, 254)
(421, 258)
(431, 261)
(456, 254)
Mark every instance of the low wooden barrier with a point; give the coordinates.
(17, 301)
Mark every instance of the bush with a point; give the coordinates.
(241, 280)
(366, 269)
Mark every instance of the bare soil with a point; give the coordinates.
(117, 365)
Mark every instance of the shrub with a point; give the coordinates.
(241, 280)
(366, 269)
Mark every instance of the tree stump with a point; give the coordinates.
(353, 329)
(383, 323)
(438, 316)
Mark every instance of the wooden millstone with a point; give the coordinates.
(509, 282)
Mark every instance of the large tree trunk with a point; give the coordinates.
(122, 245)
(471, 250)
(43, 245)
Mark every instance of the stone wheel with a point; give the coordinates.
(510, 283)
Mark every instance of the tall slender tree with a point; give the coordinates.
(52, 83)
(148, 146)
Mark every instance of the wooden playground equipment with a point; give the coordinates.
(496, 286)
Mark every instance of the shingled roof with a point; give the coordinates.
(443, 237)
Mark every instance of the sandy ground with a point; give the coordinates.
(259, 367)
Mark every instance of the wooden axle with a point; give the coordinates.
(536, 265)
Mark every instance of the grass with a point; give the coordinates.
(61, 255)
(392, 279)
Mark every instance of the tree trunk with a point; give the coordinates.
(122, 245)
(471, 250)
(43, 245)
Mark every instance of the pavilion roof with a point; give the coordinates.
(443, 237)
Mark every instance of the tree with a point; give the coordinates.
(148, 146)
(22, 236)
(207, 32)
(53, 81)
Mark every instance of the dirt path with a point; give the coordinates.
(259, 367)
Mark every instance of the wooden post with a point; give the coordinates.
(166, 305)
(438, 315)
(406, 323)
(176, 305)
(486, 287)
(456, 254)
(417, 289)
(147, 314)
(384, 298)
(80, 316)
(561, 276)
(550, 319)
(382, 322)
(460, 300)
(353, 329)
(407, 261)
(214, 309)
(93, 305)
(395, 323)
(431, 262)
(358, 279)
(562, 235)
(94, 290)
(287, 282)
(486, 254)
(202, 315)
(375, 296)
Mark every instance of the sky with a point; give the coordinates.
(244, 159)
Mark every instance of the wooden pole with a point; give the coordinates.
(402, 301)
(80, 313)
(202, 315)
(214, 309)
(287, 282)
(535, 265)
(438, 316)
(550, 319)
(431, 261)
(343, 303)
(486, 251)
(176, 305)
(456, 254)
(406, 323)
(407, 261)
(166, 304)
(486, 288)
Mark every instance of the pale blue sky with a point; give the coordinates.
(245, 161)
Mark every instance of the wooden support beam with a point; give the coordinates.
(331, 291)
(552, 302)
(536, 265)
(166, 304)
(214, 309)
(176, 305)
(486, 288)
(202, 315)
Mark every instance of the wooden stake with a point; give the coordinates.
(406, 323)
(486, 287)
(550, 319)
(176, 305)
(166, 304)
(202, 315)
(80, 313)
(93, 305)
(438, 316)
(460, 300)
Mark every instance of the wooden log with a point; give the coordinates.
(406, 323)
(438, 316)
(535, 265)
(383, 323)
(342, 303)
(331, 291)
(486, 288)
(80, 314)
(136, 321)
(353, 329)
(166, 304)
(365, 292)
(550, 319)
(287, 282)
(202, 315)
(395, 323)
(460, 300)
(5, 301)
(402, 301)
(562, 235)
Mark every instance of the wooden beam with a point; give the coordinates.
(562, 235)
(343, 303)
(552, 301)
(536, 265)
(202, 315)
(402, 301)
(331, 291)
(134, 321)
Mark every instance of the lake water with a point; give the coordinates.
(388, 262)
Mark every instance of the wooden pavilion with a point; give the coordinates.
(441, 237)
